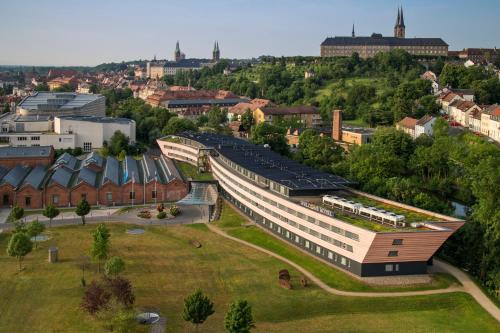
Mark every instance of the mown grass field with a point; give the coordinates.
(231, 221)
(164, 268)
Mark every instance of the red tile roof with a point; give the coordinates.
(408, 122)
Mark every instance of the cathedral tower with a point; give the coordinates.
(216, 52)
(399, 27)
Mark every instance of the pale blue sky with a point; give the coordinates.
(89, 32)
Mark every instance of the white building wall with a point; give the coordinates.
(58, 141)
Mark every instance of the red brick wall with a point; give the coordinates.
(79, 190)
(56, 189)
(35, 195)
(117, 195)
(6, 190)
(127, 188)
(176, 190)
(11, 162)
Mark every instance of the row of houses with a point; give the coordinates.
(417, 127)
(33, 183)
(483, 119)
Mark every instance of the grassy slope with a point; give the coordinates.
(231, 221)
(164, 268)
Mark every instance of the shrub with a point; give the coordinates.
(144, 214)
(161, 215)
(174, 210)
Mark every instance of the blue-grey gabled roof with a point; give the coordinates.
(34, 151)
(169, 170)
(130, 170)
(68, 161)
(88, 176)
(16, 175)
(3, 171)
(150, 170)
(112, 171)
(62, 176)
(94, 158)
(36, 176)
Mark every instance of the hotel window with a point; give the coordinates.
(397, 242)
(27, 201)
(22, 138)
(87, 146)
(330, 255)
(132, 195)
(343, 261)
(35, 138)
(318, 250)
(393, 253)
(307, 244)
(109, 196)
(84, 196)
(153, 194)
(389, 268)
(55, 199)
(297, 239)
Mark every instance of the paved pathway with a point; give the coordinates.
(159, 327)
(468, 284)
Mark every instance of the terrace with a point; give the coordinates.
(414, 221)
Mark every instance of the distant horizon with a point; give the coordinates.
(91, 33)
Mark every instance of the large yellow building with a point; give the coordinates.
(309, 116)
(369, 46)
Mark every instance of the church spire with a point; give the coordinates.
(402, 20)
(216, 52)
(353, 34)
(398, 19)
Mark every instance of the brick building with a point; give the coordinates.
(99, 180)
(32, 156)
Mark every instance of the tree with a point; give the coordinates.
(247, 120)
(197, 308)
(82, 209)
(100, 246)
(17, 213)
(114, 266)
(42, 87)
(274, 136)
(118, 142)
(19, 246)
(239, 318)
(216, 117)
(95, 298)
(50, 212)
(177, 125)
(440, 128)
(35, 228)
(121, 289)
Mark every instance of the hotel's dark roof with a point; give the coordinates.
(268, 164)
(112, 171)
(383, 41)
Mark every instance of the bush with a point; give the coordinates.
(144, 214)
(174, 210)
(161, 215)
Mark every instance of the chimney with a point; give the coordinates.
(337, 125)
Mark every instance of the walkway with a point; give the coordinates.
(159, 327)
(468, 285)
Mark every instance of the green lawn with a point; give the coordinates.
(190, 171)
(164, 268)
(231, 222)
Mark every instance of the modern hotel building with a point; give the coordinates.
(376, 237)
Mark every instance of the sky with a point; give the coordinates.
(90, 32)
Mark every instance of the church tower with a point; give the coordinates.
(353, 34)
(399, 27)
(177, 53)
(216, 52)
